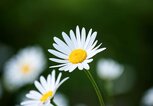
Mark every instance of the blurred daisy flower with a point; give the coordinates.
(61, 100)
(24, 68)
(109, 69)
(76, 50)
(46, 90)
(147, 99)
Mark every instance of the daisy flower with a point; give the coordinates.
(76, 50)
(24, 67)
(46, 90)
(109, 69)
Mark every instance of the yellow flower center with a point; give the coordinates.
(46, 96)
(77, 56)
(25, 68)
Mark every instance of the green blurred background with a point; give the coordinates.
(125, 27)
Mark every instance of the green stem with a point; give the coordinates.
(95, 87)
(53, 103)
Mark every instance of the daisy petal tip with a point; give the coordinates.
(70, 71)
(41, 77)
(77, 26)
(53, 71)
(50, 67)
(104, 48)
(63, 33)
(88, 68)
(67, 78)
(49, 50)
(35, 82)
(54, 37)
(95, 32)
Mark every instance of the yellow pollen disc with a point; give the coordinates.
(46, 96)
(25, 68)
(77, 56)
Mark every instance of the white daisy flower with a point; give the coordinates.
(109, 69)
(147, 99)
(24, 68)
(76, 50)
(47, 89)
(61, 100)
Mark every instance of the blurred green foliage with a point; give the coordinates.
(124, 26)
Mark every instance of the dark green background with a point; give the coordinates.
(125, 27)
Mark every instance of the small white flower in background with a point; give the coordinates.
(61, 100)
(109, 69)
(147, 99)
(77, 50)
(46, 90)
(24, 67)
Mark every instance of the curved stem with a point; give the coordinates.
(95, 87)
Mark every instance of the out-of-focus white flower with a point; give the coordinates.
(61, 100)
(47, 89)
(24, 68)
(148, 98)
(76, 51)
(109, 69)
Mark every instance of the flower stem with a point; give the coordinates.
(53, 103)
(89, 75)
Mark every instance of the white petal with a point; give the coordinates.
(58, 54)
(85, 65)
(64, 68)
(92, 39)
(43, 82)
(53, 78)
(95, 52)
(62, 82)
(68, 40)
(80, 66)
(96, 47)
(58, 60)
(73, 38)
(34, 97)
(30, 102)
(88, 60)
(58, 79)
(69, 66)
(72, 68)
(83, 36)
(61, 43)
(39, 87)
(37, 94)
(89, 49)
(88, 39)
(61, 65)
(49, 82)
(78, 36)
(61, 49)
